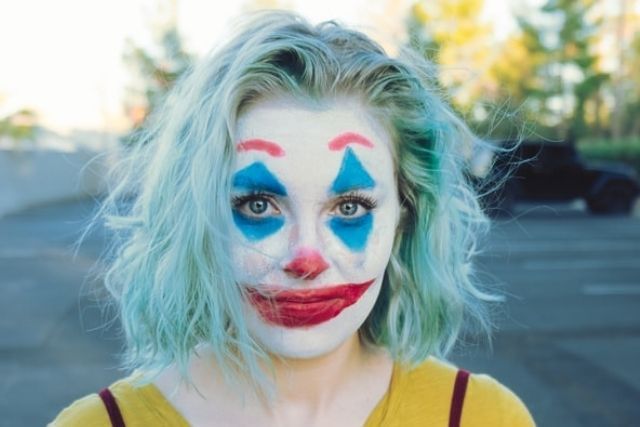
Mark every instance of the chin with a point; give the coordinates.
(302, 345)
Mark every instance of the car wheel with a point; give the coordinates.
(613, 198)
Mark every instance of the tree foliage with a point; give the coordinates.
(550, 67)
(452, 35)
(517, 79)
(545, 77)
(156, 71)
(573, 51)
(631, 97)
(548, 73)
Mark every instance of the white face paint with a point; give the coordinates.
(315, 211)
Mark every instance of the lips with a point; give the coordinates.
(305, 307)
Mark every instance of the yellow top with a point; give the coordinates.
(416, 397)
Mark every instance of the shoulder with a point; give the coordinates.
(428, 388)
(487, 399)
(91, 411)
(140, 404)
(87, 411)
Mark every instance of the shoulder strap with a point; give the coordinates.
(457, 400)
(112, 407)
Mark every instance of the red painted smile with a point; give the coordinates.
(305, 307)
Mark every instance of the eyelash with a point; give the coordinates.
(367, 202)
(237, 201)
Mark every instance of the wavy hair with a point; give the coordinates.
(171, 275)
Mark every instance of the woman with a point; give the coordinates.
(298, 249)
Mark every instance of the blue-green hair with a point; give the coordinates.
(171, 275)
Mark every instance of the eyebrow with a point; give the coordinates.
(256, 177)
(352, 175)
(344, 139)
(271, 148)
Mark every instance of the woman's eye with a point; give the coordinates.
(354, 206)
(348, 208)
(255, 206)
(258, 206)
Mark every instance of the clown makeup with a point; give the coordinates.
(315, 209)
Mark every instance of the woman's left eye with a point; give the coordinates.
(354, 206)
(348, 208)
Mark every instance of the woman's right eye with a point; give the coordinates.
(258, 206)
(255, 206)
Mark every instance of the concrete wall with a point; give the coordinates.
(31, 177)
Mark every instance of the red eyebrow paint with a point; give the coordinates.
(344, 139)
(271, 148)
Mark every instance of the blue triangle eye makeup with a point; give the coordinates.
(257, 179)
(353, 232)
(352, 175)
(257, 229)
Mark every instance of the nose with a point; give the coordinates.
(307, 264)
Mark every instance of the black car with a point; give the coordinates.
(541, 171)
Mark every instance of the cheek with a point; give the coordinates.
(381, 245)
(372, 259)
(248, 263)
(254, 258)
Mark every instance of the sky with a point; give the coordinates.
(64, 58)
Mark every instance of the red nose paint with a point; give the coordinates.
(305, 307)
(307, 264)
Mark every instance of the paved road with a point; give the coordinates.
(568, 339)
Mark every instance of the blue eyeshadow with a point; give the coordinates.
(256, 177)
(352, 232)
(352, 175)
(257, 229)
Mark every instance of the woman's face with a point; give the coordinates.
(315, 209)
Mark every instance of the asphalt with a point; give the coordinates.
(567, 339)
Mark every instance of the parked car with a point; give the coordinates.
(538, 171)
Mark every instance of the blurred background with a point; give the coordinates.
(79, 77)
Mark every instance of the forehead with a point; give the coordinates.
(285, 130)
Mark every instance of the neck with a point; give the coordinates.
(347, 380)
(343, 385)
(317, 381)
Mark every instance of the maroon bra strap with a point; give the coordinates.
(457, 400)
(112, 408)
